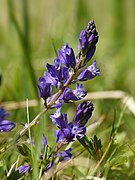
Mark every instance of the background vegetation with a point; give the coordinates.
(31, 30)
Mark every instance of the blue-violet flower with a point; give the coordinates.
(87, 42)
(74, 95)
(83, 113)
(23, 169)
(5, 125)
(44, 88)
(89, 72)
(66, 56)
(64, 155)
(56, 75)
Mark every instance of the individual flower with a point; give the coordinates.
(74, 95)
(50, 80)
(69, 133)
(64, 134)
(83, 113)
(66, 56)
(5, 125)
(64, 155)
(58, 103)
(56, 75)
(59, 119)
(87, 42)
(78, 131)
(69, 95)
(23, 169)
(89, 72)
(44, 88)
(82, 40)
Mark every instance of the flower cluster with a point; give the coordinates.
(67, 70)
(66, 67)
(5, 125)
(87, 42)
(68, 131)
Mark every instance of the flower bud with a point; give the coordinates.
(83, 113)
(87, 42)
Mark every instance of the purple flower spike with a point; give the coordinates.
(83, 113)
(23, 169)
(87, 42)
(64, 155)
(5, 125)
(89, 73)
(67, 57)
(44, 88)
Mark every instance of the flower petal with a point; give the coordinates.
(6, 126)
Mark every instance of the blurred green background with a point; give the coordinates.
(31, 30)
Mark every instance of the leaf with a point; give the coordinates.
(118, 156)
(14, 175)
(78, 172)
(24, 150)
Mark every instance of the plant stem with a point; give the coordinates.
(102, 158)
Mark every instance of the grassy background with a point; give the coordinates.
(29, 31)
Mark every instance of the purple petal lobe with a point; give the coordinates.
(44, 88)
(64, 155)
(78, 132)
(66, 56)
(87, 42)
(83, 113)
(89, 73)
(23, 169)
(59, 119)
(6, 126)
(44, 142)
(49, 166)
(74, 95)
